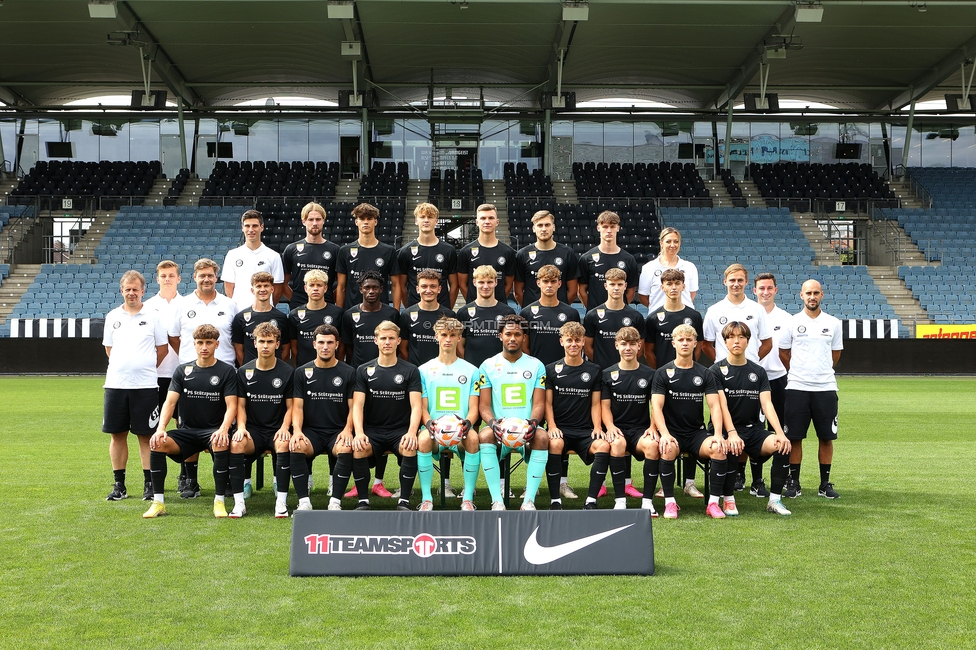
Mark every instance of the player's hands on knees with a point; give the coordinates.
(219, 438)
(555, 434)
(651, 433)
(297, 442)
(360, 442)
(241, 434)
(598, 434)
(666, 442)
(782, 444)
(718, 442)
(345, 438)
(158, 439)
(282, 435)
(612, 433)
(409, 441)
(735, 445)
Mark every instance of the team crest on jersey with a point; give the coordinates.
(687, 321)
(753, 377)
(601, 312)
(414, 250)
(276, 382)
(642, 383)
(274, 322)
(596, 257)
(534, 309)
(559, 367)
(380, 261)
(238, 262)
(247, 317)
(300, 247)
(527, 374)
(337, 381)
(462, 379)
(353, 252)
(558, 261)
(187, 370)
(471, 311)
(670, 372)
(327, 255)
(501, 261)
(214, 381)
(614, 375)
(626, 322)
(802, 329)
(532, 256)
(657, 272)
(723, 320)
(191, 314)
(355, 317)
(697, 381)
(398, 379)
(585, 376)
(309, 372)
(621, 264)
(371, 371)
(116, 325)
(439, 258)
(414, 316)
(301, 314)
(724, 370)
(474, 251)
(660, 316)
(327, 320)
(249, 374)
(561, 317)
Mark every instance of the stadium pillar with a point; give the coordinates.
(908, 133)
(728, 137)
(364, 145)
(3, 162)
(179, 110)
(547, 143)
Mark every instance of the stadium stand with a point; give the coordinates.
(234, 182)
(179, 184)
(663, 180)
(465, 184)
(519, 182)
(830, 182)
(112, 183)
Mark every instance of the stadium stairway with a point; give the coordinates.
(190, 196)
(903, 191)
(84, 251)
(908, 309)
(6, 187)
(347, 191)
(720, 196)
(417, 192)
(13, 289)
(751, 193)
(825, 255)
(159, 189)
(565, 192)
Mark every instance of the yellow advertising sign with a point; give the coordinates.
(945, 331)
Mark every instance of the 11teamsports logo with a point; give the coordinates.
(423, 545)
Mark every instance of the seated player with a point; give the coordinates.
(206, 390)
(512, 384)
(448, 389)
(573, 415)
(626, 390)
(745, 393)
(679, 390)
(264, 412)
(322, 421)
(386, 412)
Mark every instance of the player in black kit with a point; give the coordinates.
(626, 389)
(313, 252)
(746, 394)
(595, 263)
(545, 251)
(603, 322)
(677, 394)
(303, 321)
(359, 321)
(425, 252)
(365, 254)
(246, 321)
(419, 343)
(206, 390)
(481, 319)
(264, 413)
(387, 407)
(486, 249)
(546, 316)
(573, 415)
(322, 421)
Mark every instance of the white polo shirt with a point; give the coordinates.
(724, 312)
(650, 282)
(133, 339)
(779, 321)
(811, 342)
(241, 263)
(165, 312)
(191, 312)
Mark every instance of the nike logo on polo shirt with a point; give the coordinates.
(535, 553)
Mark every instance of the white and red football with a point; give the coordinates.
(514, 432)
(448, 430)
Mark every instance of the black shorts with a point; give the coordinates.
(753, 435)
(803, 406)
(383, 442)
(130, 409)
(190, 441)
(633, 436)
(579, 441)
(322, 442)
(690, 443)
(777, 393)
(263, 440)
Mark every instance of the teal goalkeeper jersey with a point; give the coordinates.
(448, 389)
(512, 384)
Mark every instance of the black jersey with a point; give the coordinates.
(242, 330)
(354, 260)
(602, 325)
(659, 325)
(544, 324)
(301, 328)
(593, 267)
(629, 392)
(684, 391)
(418, 331)
(572, 391)
(414, 258)
(500, 257)
(325, 395)
(387, 390)
(265, 392)
(481, 339)
(301, 257)
(358, 328)
(202, 392)
(742, 385)
(530, 259)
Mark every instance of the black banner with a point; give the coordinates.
(612, 542)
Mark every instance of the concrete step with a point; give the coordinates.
(159, 190)
(824, 254)
(84, 251)
(191, 192)
(15, 286)
(751, 194)
(719, 195)
(900, 297)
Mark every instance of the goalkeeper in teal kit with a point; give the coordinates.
(512, 385)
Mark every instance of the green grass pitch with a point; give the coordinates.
(889, 565)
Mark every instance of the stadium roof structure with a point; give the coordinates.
(862, 55)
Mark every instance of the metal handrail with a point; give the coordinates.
(919, 191)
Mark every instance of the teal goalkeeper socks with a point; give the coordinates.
(472, 462)
(489, 463)
(535, 472)
(425, 467)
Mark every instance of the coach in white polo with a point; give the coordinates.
(203, 306)
(135, 342)
(810, 349)
(736, 307)
(246, 260)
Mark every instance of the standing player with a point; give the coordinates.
(137, 336)
(736, 307)
(649, 290)
(448, 389)
(313, 252)
(247, 320)
(420, 343)
(573, 416)
(364, 254)
(425, 252)
(677, 396)
(265, 404)
(359, 321)
(513, 384)
(626, 390)
(206, 389)
(322, 421)
(252, 257)
(304, 320)
(810, 349)
(599, 259)
(487, 250)
(545, 251)
(745, 395)
(163, 303)
(481, 319)
(603, 322)
(546, 316)
(386, 412)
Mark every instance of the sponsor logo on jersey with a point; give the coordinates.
(614, 375)
(327, 255)
(474, 252)
(585, 376)
(749, 317)
(353, 252)
(697, 381)
(337, 381)
(191, 314)
(642, 383)
(221, 313)
(327, 320)
(471, 311)
(355, 317)
(423, 545)
(276, 382)
(249, 373)
(398, 379)
(214, 381)
(309, 372)
(753, 377)
(687, 321)
(501, 261)
(724, 370)
(561, 317)
(238, 262)
(439, 257)
(247, 317)
(371, 370)
(670, 372)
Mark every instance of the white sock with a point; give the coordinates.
(281, 497)
(712, 499)
(238, 499)
(556, 501)
(377, 481)
(218, 497)
(334, 501)
(304, 500)
(773, 497)
(158, 497)
(563, 480)
(589, 500)
(669, 500)
(627, 481)
(620, 501)
(647, 504)
(689, 481)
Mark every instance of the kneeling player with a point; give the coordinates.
(322, 421)
(264, 412)
(386, 412)
(746, 391)
(512, 385)
(206, 390)
(677, 394)
(627, 418)
(573, 416)
(448, 389)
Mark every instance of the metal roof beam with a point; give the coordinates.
(11, 97)
(939, 73)
(560, 48)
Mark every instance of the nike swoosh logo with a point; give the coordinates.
(252, 382)
(729, 377)
(304, 320)
(415, 258)
(604, 320)
(311, 381)
(372, 379)
(596, 266)
(561, 376)
(535, 553)
(671, 381)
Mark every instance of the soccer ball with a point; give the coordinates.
(448, 430)
(513, 432)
